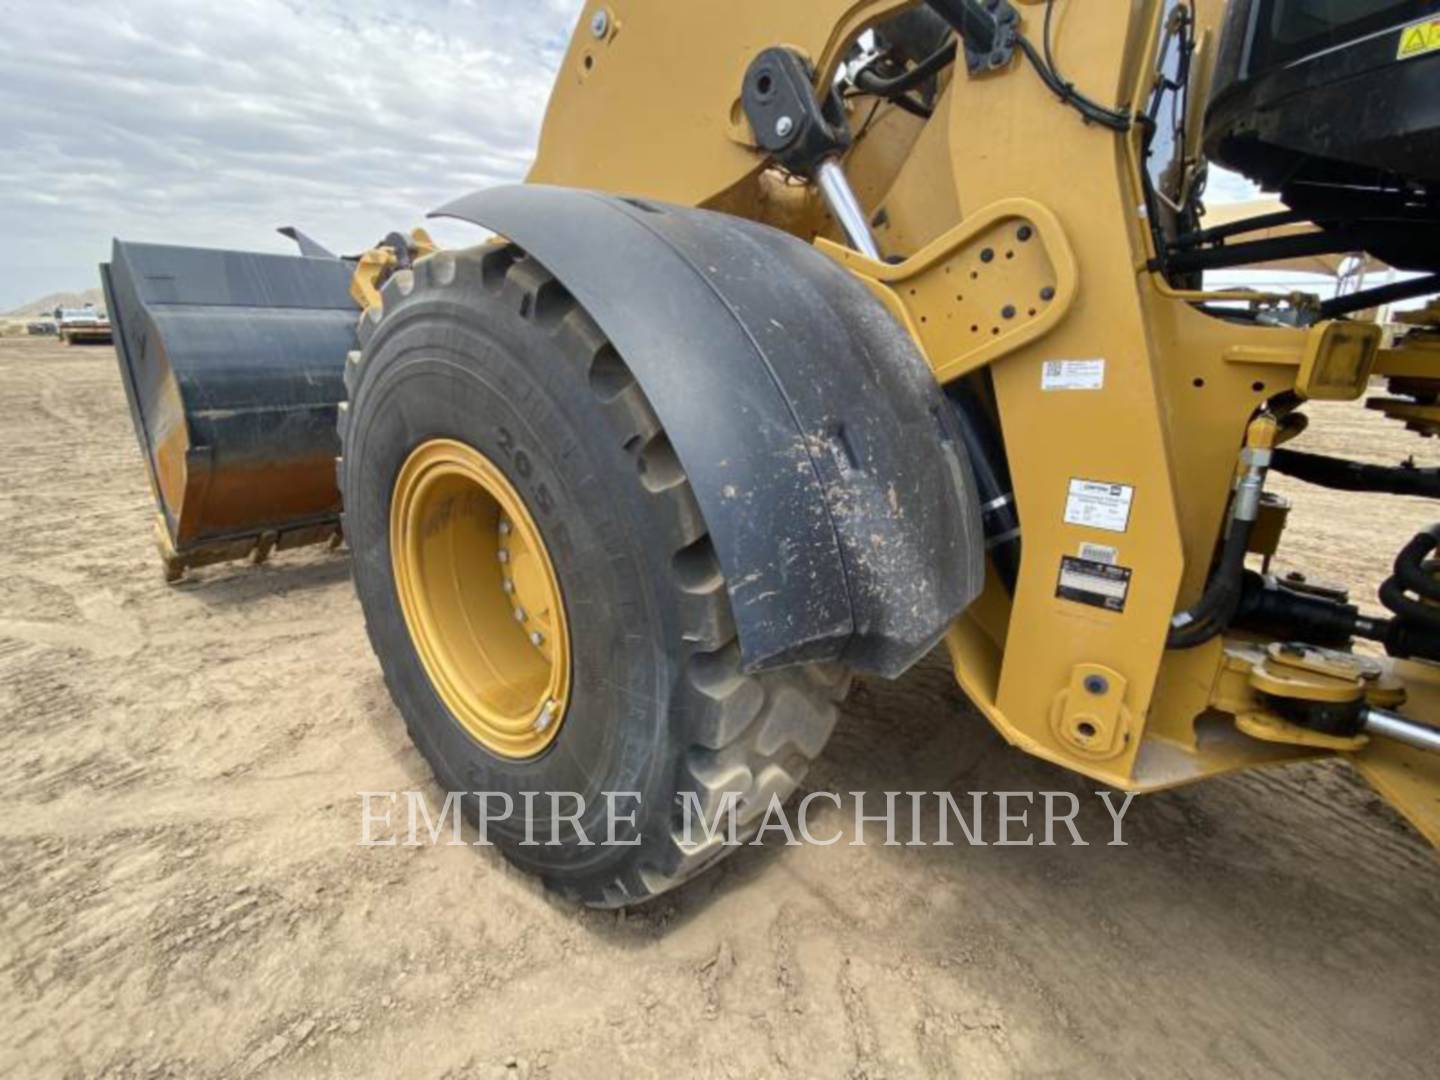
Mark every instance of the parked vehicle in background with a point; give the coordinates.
(83, 326)
(41, 328)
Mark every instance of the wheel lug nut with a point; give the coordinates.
(536, 638)
(547, 714)
(508, 585)
(503, 555)
(519, 614)
(504, 527)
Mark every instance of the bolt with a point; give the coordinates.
(987, 255)
(1096, 684)
(1024, 233)
(599, 23)
(547, 714)
(519, 614)
(508, 585)
(1008, 311)
(503, 555)
(1047, 293)
(784, 126)
(504, 527)
(537, 638)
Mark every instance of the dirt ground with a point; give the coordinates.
(184, 894)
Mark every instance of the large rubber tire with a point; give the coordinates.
(486, 347)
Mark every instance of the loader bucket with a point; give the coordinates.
(233, 365)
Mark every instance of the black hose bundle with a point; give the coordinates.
(978, 26)
(1414, 572)
(1415, 630)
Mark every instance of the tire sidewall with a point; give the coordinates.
(479, 373)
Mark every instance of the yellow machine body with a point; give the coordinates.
(647, 103)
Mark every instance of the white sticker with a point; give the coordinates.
(1097, 584)
(1072, 375)
(1099, 553)
(1099, 505)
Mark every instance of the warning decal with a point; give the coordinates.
(1098, 584)
(1418, 38)
(1099, 505)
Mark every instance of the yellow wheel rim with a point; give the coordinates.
(480, 598)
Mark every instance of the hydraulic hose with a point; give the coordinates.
(1345, 475)
(1274, 608)
(1413, 567)
(1415, 630)
(1217, 605)
(932, 65)
(986, 450)
(1392, 595)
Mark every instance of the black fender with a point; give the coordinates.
(824, 458)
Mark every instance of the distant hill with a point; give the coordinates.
(46, 304)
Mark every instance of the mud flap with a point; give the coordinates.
(828, 466)
(233, 367)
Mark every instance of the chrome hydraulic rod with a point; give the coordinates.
(1391, 725)
(840, 197)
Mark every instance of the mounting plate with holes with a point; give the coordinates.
(1089, 716)
(1000, 279)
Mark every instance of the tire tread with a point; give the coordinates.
(755, 734)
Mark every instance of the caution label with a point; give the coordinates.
(1099, 505)
(1419, 38)
(1084, 581)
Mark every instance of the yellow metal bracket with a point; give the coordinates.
(377, 264)
(997, 281)
(1338, 360)
(1271, 728)
(1089, 716)
(1334, 361)
(1306, 673)
(1411, 368)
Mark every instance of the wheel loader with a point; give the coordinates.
(824, 333)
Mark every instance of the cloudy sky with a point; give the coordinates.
(211, 122)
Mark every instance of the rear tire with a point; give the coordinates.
(486, 348)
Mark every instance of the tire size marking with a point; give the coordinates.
(544, 502)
